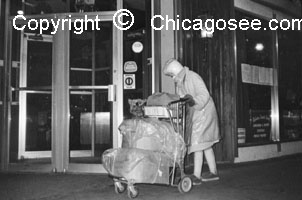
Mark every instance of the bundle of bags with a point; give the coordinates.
(153, 134)
(149, 147)
(137, 165)
(161, 99)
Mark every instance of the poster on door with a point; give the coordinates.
(129, 81)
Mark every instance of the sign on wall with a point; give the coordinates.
(129, 81)
(260, 125)
(137, 47)
(256, 75)
(130, 67)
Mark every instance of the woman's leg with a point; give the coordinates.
(210, 156)
(198, 161)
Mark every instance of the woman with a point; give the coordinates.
(205, 131)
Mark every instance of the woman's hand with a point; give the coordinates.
(189, 99)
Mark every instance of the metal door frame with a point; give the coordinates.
(115, 94)
(24, 90)
(60, 68)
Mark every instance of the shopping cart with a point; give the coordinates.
(174, 114)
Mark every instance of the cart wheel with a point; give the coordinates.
(119, 187)
(132, 191)
(185, 184)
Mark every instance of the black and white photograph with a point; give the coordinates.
(150, 99)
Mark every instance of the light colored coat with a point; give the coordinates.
(205, 130)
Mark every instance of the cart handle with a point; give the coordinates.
(181, 100)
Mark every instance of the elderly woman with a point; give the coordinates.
(205, 131)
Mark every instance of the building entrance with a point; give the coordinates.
(65, 90)
(70, 96)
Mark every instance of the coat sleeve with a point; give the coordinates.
(199, 92)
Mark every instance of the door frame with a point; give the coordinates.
(23, 91)
(60, 93)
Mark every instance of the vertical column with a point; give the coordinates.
(6, 109)
(167, 46)
(60, 100)
(117, 64)
(93, 121)
(233, 50)
(275, 135)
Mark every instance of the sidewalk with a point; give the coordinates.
(276, 179)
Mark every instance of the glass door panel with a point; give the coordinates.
(38, 123)
(35, 97)
(39, 63)
(90, 78)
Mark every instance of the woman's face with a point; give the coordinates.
(172, 70)
(170, 74)
(176, 79)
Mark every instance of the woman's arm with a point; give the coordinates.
(199, 92)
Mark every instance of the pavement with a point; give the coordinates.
(279, 178)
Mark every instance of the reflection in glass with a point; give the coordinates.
(86, 70)
(290, 84)
(38, 122)
(38, 104)
(39, 63)
(80, 77)
(90, 111)
(79, 104)
(81, 121)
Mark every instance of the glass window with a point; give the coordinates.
(91, 56)
(79, 105)
(255, 76)
(290, 84)
(90, 110)
(39, 63)
(38, 122)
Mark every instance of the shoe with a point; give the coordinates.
(195, 180)
(209, 177)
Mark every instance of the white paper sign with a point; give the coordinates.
(256, 75)
(246, 72)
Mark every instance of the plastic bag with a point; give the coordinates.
(137, 165)
(161, 99)
(153, 134)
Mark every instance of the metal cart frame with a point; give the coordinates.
(175, 112)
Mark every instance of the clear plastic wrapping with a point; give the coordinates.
(161, 99)
(155, 135)
(137, 165)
